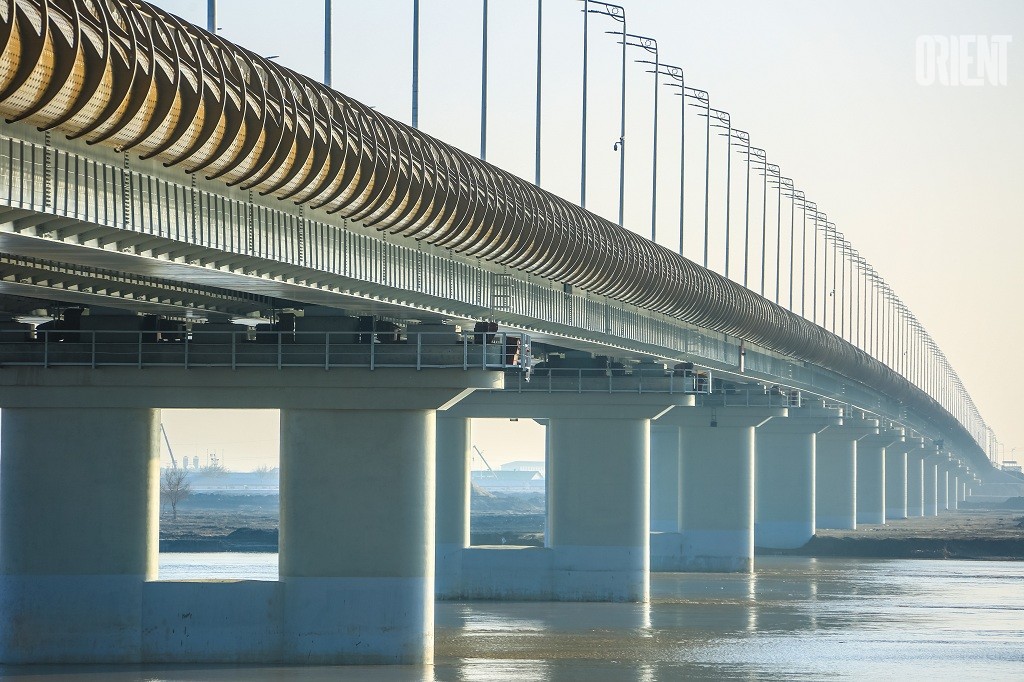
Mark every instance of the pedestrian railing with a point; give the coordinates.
(500, 351)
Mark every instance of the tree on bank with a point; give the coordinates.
(174, 487)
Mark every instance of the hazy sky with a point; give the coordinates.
(924, 180)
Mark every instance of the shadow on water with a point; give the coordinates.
(796, 618)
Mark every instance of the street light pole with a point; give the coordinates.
(328, 43)
(651, 45)
(211, 16)
(618, 13)
(677, 73)
(540, 53)
(483, 86)
(724, 117)
(416, 63)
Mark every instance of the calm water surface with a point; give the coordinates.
(803, 619)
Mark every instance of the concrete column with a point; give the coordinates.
(836, 473)
(952, 482)
(600, 508)
(357, 535)
(717, 472)
(871, 475)
(899, 489)
(79, 499)
(942, 486)
(454, 440)
(916, 472)
(784, 477)
(665, 481)
(931, 486)
(598, 503)
(963, 490)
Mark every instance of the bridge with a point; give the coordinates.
(184, 223)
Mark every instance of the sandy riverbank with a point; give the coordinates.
(963, 534)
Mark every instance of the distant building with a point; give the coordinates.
(524, 465)
(510, 481)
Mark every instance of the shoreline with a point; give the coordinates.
(969, 533)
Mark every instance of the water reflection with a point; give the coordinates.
(800, 619)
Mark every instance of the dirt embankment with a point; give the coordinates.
(969, 533)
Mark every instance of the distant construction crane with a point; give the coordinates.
(479, 452)
(174, 462)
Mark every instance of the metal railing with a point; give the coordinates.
(499, 351)
(610, 380)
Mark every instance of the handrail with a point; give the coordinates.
(239, 349)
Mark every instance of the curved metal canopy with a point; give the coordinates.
(128, 75)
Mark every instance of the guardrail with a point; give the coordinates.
(653, 380)
(498, 351)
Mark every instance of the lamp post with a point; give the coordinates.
(779, 182)
(703, 100)
(814, 289)
(415, 64)
(328, 43)
(211, 16)
(618, 13)
(651, 45)
(762, 158)
(724, 122)
(684, 92)
(540, 54)
(483, 85)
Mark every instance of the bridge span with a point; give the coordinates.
(184, 223)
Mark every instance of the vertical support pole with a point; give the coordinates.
(328, 43)
(415, 64)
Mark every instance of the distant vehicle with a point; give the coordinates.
(1011, 465)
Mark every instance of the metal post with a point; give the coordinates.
(814, 286)
(682, 158)
(211, 16)
(778, 241)
(728, 192)
(536, 153)
(583, 148)
(483, 89)
(707, 181)
(746, 219)
(654, 149)
(622, 130)
(764, 225)
(416, 63)
(328, 43)
(835, 253)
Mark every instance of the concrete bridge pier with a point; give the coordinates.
(932, 471)
(454, 441)
(899, 488)
(784, 479)
(356, 561)
(666, 486)
(79, 499)
(952, 483)
(942, 484)
(598, 482)
(717, 502)
(835, 480)
(917, 469)
(871, 468)
(356, 548)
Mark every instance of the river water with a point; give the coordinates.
(795, 619)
